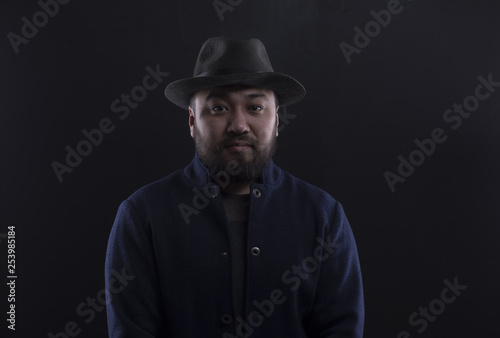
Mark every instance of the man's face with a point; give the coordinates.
(236, 123)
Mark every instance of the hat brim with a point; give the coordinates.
(286, 87)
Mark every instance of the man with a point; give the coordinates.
(233, 246)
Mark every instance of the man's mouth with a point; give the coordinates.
(238, 146)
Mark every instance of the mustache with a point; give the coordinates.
(245, 139)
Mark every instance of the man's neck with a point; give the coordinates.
(240, 188)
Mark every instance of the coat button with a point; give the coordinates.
(211, 191)
(224, 254)
(257, 193)
(226, 319)
(255, 251)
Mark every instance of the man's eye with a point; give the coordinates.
(219, 108)
(255, 108)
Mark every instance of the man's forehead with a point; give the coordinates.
(225, 91)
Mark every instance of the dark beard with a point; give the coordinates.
(247, 171)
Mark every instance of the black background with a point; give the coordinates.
(357, 118)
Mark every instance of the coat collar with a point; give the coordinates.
(199, 174)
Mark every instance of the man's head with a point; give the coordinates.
(232, 100)
(235, 123)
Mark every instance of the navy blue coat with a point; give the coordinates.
(168, 262)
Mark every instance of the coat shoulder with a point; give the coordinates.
(305, 187)
(157, 190)
(308, 191)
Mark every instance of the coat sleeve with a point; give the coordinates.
(134, 308)
(338, 311)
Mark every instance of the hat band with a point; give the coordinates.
(228, 72)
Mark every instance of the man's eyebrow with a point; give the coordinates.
(257, 95)
(220, 95)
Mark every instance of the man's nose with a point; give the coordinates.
(238, 122)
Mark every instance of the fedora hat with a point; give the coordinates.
(224, 61)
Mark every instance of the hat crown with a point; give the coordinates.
(225, 61)
(226, 55)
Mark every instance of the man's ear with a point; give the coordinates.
(277, 120)
(191, 120)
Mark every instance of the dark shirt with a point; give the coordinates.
(236, 207)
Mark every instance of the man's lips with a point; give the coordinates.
(238, 146)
